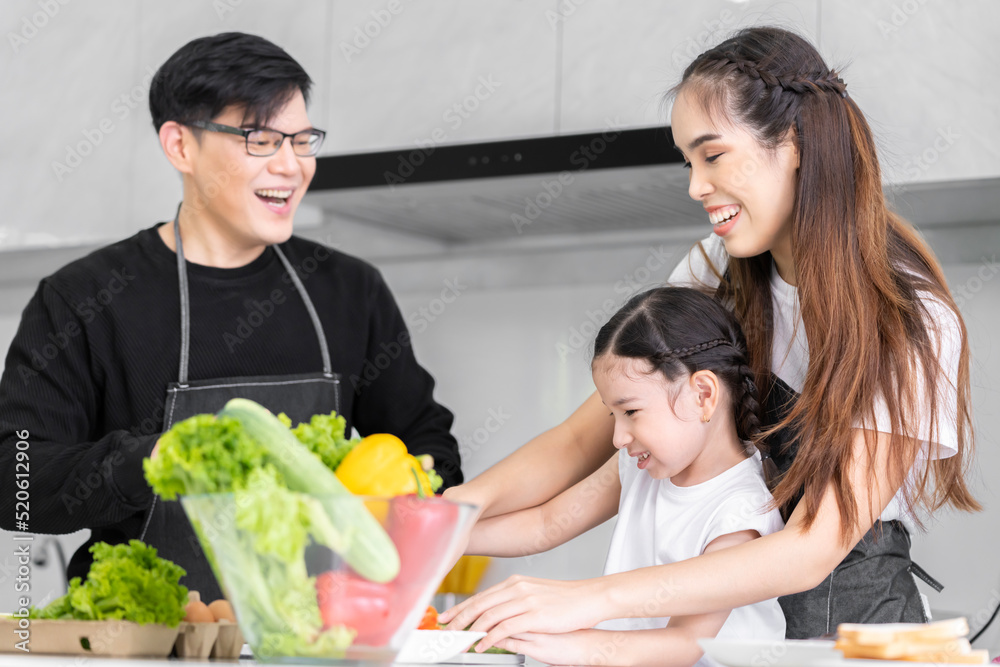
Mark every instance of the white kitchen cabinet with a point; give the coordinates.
(68, 73)
(82, 165)
(619, 58)
(404, 73)
(925, 73)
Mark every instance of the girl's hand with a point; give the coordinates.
(583, 647)
(523, 605)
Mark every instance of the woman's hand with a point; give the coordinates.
(523, 605)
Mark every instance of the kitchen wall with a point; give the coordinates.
(510, 345)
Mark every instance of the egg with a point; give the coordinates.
(222, 610)
(198, 612)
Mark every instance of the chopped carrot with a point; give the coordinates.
(430, 620)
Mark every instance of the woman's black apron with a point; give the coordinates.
(299, 396)
(873, 584)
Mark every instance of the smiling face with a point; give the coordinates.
(249, 200)
(667, 440)
(748, 192)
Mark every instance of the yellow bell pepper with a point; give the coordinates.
(380, 466)
(464, 577)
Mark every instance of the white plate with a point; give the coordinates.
(860, 662)
(429, 646)
(770, 652)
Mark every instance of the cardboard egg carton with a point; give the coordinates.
(221, 639)
(119, 639)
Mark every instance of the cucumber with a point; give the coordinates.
(361, 540)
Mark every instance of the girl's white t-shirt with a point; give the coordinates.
(660, 523)
(790, 354)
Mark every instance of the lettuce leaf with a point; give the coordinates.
(436, 481)
(204, 454)
(324, 436)
(128, 582)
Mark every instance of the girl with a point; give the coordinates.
(858, 349)
(672, 368)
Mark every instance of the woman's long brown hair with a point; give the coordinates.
(864, 280)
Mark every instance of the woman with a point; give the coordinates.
(858, 348)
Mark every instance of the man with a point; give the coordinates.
(219, 302)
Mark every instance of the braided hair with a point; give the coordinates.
(768, 80)
(681, 331)
(793, 82)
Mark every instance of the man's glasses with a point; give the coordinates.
(262, 143)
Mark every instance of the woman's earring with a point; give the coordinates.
(706, 419)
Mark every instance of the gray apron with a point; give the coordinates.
(873, 584)
(299, 396)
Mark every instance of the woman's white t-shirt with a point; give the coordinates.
(790, 354)
(660, 523)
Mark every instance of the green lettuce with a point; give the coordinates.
(128, 582)
(204, 454)
(324, 437)
(435, 479)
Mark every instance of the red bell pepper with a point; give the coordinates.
(421, 531)
(346, 599)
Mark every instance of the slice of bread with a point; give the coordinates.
(939, 642)
(900, 648)
(886, 633)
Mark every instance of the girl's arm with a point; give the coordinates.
(573, 512)
(789, 561)
(580, 445)
(673, 646)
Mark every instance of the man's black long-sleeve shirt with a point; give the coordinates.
(87, 372)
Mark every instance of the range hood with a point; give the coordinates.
(616, 180)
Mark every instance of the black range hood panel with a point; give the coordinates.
(609, 149)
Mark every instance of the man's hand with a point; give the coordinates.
(152, 454)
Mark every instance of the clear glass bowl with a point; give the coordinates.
(294, 597)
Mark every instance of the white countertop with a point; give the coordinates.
(40, 660)
(37, 660)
